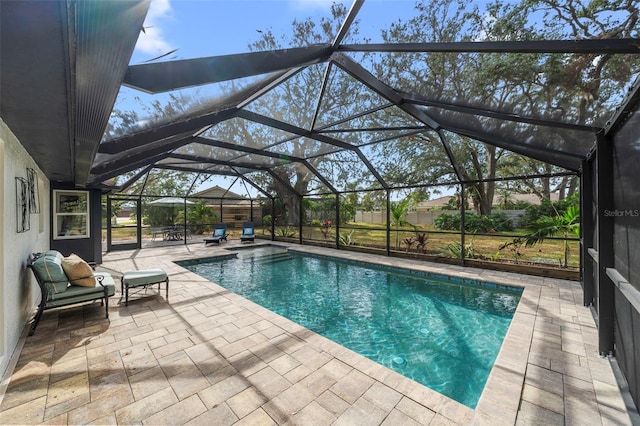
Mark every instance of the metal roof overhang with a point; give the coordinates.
(61, 73)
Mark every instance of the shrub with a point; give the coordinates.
(447, 222)
(497, 222)
(549, 209)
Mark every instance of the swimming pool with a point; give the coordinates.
(443, 332)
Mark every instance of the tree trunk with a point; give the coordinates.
(290, 201)
(488, 189)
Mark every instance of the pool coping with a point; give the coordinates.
(500, 399)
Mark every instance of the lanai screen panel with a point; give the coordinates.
(202, 150)
(303, 148)
(418, 159)
(138, 111)
(295, 100)
(560, 146)
(346, 171)
(379, 125)
(626, 212)
(246, 133)
(318, 187)
(344, 98)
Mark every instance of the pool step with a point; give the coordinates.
(269, 258)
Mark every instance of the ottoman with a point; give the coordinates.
(143, 278)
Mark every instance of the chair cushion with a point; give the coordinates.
(218, 232)
(77, 294)
(247, 231)
(78, 271)
(143, 277)
(49, 267)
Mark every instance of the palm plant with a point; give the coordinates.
(398, 212)
(546, 227)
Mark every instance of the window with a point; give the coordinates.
(71, 214)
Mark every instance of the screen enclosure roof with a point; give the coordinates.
(301, 108)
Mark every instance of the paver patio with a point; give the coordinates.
(208, 356)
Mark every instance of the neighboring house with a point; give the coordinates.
(232, 208)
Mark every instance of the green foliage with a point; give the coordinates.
(563, 225)
(399, 210)
(495, 222)
(514, 246)
(285, 232)
(347, 239)
(200, 218)
(549, 209)
(549, 226)
(455, 250)
(266, 223)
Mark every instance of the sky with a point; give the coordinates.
(218, 27)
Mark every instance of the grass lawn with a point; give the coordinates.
(370, 235)
(484, 246)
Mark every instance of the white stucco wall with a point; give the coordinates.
(18, 289)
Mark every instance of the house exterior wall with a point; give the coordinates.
(18, 289)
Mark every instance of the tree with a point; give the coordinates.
(568, 87)
(294, 102)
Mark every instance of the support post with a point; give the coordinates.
(337, 221)
(273, 219)
(300, 213)
(604, 201)
(587, 211)
(109, 216)
(463, 198)
(388, 222)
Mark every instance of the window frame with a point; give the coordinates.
(64, 208)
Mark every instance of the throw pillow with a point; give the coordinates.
(78, 271)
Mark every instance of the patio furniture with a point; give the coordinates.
(66, 281)
(159, 231)
(143, 278)
(248, 232)
(219, 234)
(173, 233)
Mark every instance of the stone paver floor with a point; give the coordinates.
(207, 356)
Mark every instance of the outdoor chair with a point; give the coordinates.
(219, 234)
(67, 281)
(248, 233)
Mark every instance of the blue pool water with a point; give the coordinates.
(443, 334)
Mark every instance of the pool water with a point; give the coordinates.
(445, 335)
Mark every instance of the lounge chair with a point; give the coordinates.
(248, 233)
(66, 281)
(219, 234)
